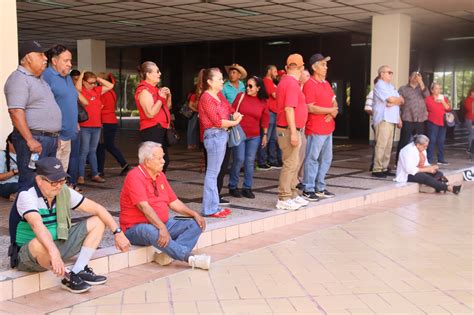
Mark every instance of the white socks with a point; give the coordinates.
(85, 256)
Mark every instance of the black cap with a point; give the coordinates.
(29, 47)
(51, 168)
(318, 57)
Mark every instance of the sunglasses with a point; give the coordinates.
(155, 189)
(54, 183)
(250, 86)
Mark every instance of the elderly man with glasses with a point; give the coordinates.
(42, 236)
(144, 201)
(386, 113)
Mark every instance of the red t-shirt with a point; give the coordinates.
(255, 113)
(94, 107)
(436, 110)
(138, 187)
(212, 111)
(468, 107)
(271, 88)
(321, 94)
(289, 95)
(109, 100)
(163, 116)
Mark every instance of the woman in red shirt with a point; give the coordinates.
(214, 114)
(253, 106)
(109, 129)
(90, 129)
(469, 106)
(437, 105)
(154, 105)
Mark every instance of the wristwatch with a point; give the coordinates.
(117, 230)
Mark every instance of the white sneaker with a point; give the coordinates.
(200, 261)
(289, 204)
(301, 201)
(162, 259)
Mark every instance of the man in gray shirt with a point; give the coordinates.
(414, 113)
(35, 115)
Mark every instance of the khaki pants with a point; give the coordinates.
(63, 153)
(302, 157)
(383, 147)
(291, 163)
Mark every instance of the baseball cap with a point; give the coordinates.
(51, 168)
(318, 57)
(29, 47)
(295, 59)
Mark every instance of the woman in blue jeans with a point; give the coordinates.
(214, 114)
(253, 107)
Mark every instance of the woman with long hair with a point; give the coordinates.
(8, 171)
(214, 116)
(253, 107)
(154, 106)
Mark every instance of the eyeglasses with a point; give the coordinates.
(155, 189)
(249, 86)
(54, 183)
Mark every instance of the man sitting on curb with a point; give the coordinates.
(144, 201)
(41, 233)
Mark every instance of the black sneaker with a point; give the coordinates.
(379, 174)
(88, 276)
(310, 196)
(457, 189)
(300, 186)
(73, 283)
(276, 165)
(223, 202)
(443, 163)
(247, 193)
(235, 193)
(325, 194)
(389, 173)
(263, 167)
(125, 169)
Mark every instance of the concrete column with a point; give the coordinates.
(391, 36)
(91, 55)
(8, 59)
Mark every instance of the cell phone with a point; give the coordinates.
(280, 134)
(182, 217)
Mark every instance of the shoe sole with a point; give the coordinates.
(326, 197)
(96, 283)
(309, 199)
(224, 203)
(288, 209)
(65, 287)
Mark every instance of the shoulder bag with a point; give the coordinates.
(82, 115)
(236, 133)
(172, 136)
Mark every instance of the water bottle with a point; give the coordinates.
(33, 158)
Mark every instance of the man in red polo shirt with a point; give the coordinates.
(322, 107)
(291, 119)
(144, 201)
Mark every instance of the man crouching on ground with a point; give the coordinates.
(41, 233)
(144, 201)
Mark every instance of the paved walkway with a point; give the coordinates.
(413, 257)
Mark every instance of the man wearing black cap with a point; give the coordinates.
(322, 107)
(41, 233)
(34, 112)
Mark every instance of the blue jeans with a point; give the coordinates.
(215, 142)
(26, 175)
(317, 162)
(437, 135)
(7, 189)
(109, 131)
(89, 140)
(73, 169)
(243, 154)
(184, 236)
(271, 152)
(193, 130)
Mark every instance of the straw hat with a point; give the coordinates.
(237, 67)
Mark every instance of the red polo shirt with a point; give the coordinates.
(94, 107)
(289, 95)
(321, 94)
(139, 186)
(436, 110)
(163, 116)
(271, 88)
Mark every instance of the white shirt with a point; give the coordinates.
(408, 162)
(382, 91)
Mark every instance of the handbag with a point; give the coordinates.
(82, 114)
(236, 133)
(186, 111)
(172, 136)
(449, 119)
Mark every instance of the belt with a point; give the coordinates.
(286, 127)
(44, 133)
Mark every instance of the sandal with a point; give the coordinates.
(219, 214)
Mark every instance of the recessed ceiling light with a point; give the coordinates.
(244, 12)
(278, 42)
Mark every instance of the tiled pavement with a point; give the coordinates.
(411, 257)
